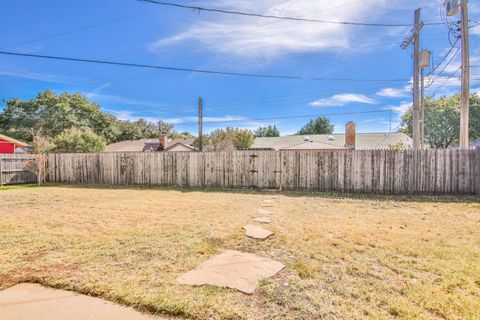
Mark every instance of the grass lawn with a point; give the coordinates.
(355, 258)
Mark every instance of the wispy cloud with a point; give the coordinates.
(266, 38)
(339, 100)
(45, 77)
(401, 109)
(394, 92)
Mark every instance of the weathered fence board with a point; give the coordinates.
(12, 170)
(379, 171)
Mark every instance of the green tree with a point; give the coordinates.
(442, 121)
(53, 114)
(320, 125)
(78, 140)
(142, 129)
(181, 135)
(227, 139)
(269, 131)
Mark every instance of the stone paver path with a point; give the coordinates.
(33, 302)
(264, 211)
(256, 232)
(232, 269)
(262, 220)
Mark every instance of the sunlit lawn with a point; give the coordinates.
(370, 258)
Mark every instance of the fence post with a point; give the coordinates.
(1, 172)
(476, 170)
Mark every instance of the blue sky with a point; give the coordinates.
(150, 34)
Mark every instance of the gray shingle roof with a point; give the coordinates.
(364, 141)
(144, 145)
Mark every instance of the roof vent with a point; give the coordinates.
(306, 139)
(331, 138)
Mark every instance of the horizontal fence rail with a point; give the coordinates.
(378, 171)
(13, 171)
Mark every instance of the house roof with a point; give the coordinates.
(144, 145)
(364, 141)
(176, 144)
(17, 143)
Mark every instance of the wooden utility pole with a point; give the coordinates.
(422, 108)
(416, 96)
(200, 124)
(465, 90)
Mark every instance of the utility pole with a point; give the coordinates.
(422, 108)
(424, 63)
(465, 90)
(200, 124)
(414, 39)
(416, 99)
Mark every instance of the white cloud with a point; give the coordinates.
(401, 109)
(174, 121)
(339, 100)
(394, 92)
(112, 99)
(45, 77)
(194, 119)
(267, 38)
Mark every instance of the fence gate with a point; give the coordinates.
(12, 170)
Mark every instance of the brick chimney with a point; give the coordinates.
(163, 143)
(350, 135)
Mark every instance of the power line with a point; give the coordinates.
(446, 80)
(300, 116)
(239, 120)
(444, 58)
(251, 14)
(251, 75)
(59, 34)
(445, 67)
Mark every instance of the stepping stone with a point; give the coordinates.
(263, 211)
(32, 301)
(262, 220)
(232, 269)
(256, 232)
(267, 205)
(268, 201)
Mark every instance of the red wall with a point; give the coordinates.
(7, 147)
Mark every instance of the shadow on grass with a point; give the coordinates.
(288, 193)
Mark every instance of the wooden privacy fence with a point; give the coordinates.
(12, 170)
(432, 171)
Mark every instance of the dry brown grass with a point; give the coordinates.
(345, 258)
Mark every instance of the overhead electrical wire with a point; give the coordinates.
(445, 67)
(445, 81)
(87, 27)
(204, 71)
(251, 14)
(240, 120)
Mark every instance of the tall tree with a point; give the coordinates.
(269, 131)
(442, 121)
(320, 125)
(53, 114)
(77, 141)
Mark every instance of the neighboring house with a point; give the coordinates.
(475, 144)
(153, 145)
(349, 140)
(11, 146)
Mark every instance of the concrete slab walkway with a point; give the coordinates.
(32, 301)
